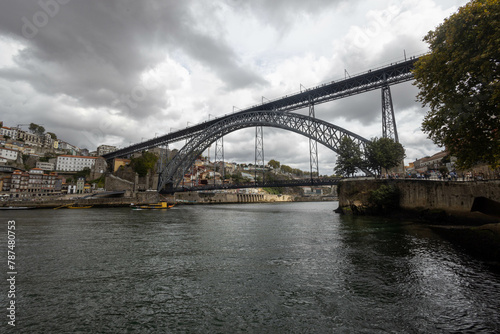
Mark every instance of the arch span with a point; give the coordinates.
(325, 133)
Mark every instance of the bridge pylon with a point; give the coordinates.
(219, 157)
(313, 146)
(389, 129)
(259, 152)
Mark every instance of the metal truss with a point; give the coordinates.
(313, 147)
(323, 132)
(219, 156)
(389, 75)
(259, 152)
(389, 129)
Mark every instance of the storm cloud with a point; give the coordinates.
(117, 72)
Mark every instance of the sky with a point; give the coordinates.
(118, 72)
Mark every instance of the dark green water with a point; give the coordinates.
(254, 268)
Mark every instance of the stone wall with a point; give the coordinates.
(114, 183)
(453, 197)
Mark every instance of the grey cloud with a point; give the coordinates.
(95, 51)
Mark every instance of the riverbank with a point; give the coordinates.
(446, 207)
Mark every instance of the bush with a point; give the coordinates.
(384, 198)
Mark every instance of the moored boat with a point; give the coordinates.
(153, 206)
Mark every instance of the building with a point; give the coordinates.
(19, 181)
(105, 149)
(8, 132)
(71, 149)
(433, 162)
(34, 182)
(118, 162)
(8, 153)
(74, 163)
(48, 166)
(80, 185)
(100, 167)
(29, 138)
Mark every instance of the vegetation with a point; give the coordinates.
(52, 135)
(274, 191)
(37, 129)
(100, 182)
(384, 198)
(459, 81)
(384, 153)
(349, 158)
(144, 163)
(274, 164)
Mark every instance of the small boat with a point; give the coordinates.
(153, 206)
(16, 207)
(79, 207)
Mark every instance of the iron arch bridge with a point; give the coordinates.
(321, 131)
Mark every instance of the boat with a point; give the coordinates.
(153, 206)
(79, 207)
(16, 207)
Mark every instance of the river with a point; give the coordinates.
(252, 268)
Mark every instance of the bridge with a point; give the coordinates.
(278, 113)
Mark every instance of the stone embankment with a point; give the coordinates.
(137, 198)
(451, 198)
(446, 206)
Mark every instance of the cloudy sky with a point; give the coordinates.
(120, 71)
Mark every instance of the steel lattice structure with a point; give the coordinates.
(323, 132)
(374, 79)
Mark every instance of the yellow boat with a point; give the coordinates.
(79, 207)
(153, 206)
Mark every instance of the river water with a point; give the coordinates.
(252, 268)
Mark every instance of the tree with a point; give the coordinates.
(144, 163)
(274, 164)
(52, 135)
(37, 129)
(383, 153)
(459, 81)
(349, 157)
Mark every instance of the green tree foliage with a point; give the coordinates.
(274, 164)
(383, 153)
(459, 81)
(85, 173)
(37, 129)
(144, 163)
(349, 157)
(52, 135)
(385, 198)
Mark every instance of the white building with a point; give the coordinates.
(48, 166)
(8, 154)
(10, 132)
(73, 163)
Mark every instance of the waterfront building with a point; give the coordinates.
(6, 181)
(19, 181)
(80, 185)
(34, 182)
(74, 163)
